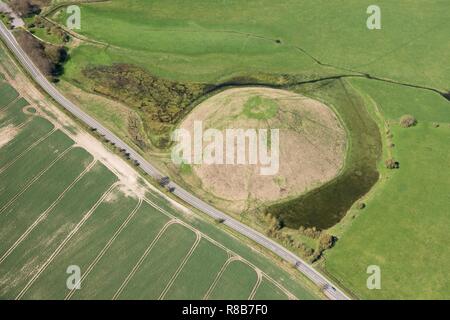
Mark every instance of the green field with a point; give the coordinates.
(61, 207)
(209, 40)
(404, 228)
(7, 95)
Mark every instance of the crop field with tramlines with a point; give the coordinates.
(61, 206)
(356, 94)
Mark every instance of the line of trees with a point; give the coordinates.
(48, 58)
(28, 8)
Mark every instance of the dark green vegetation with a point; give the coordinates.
(27, 8)
(47, 57)
(161, 103)
(60, 207)
(325, 206)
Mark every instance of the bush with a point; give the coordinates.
(407, 121)
(48, 58)
(309, 232)
(28, 8)
(392, 164)
(326, 241)
(161, 102)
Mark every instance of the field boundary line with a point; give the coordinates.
(279, 286)
(12, 102)
(34, 144)
(181, 266)
(34, 179)
(143, 257)
(219, 275)
(19, 126)
(256, 286)
(105, 248)
(67, 239)
(221, 246)
(44, 214)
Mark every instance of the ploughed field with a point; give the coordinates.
(63, 208)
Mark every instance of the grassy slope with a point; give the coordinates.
(404, 227)
(207, 40)
(326, 208)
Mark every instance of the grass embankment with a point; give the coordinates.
(405, 225)
(208, 40)
(325, 206)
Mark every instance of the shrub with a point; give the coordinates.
(48, 58)
(161, 102)
(361, 205)
(392, 164)
(310, 232)
(326, 241)
(407, 121)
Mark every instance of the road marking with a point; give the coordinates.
(67, 239)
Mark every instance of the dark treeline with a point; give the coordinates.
(27, 8)
(48, 58)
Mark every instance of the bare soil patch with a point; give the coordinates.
(7, 134)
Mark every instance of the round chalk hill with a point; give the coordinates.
(312, 144)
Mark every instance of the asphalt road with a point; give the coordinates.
(330, 290)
